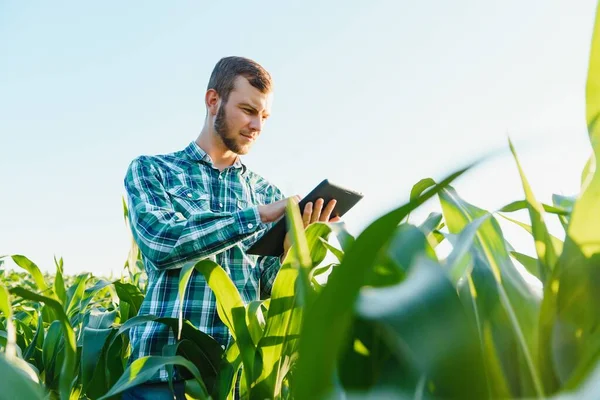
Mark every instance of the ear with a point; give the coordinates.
(211, 100)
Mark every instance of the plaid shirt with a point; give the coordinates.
(183, 209)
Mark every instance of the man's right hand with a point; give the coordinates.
(273, 211)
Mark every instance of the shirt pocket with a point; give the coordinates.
(188, 201)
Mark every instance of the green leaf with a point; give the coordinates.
(34, 349)
(344, 237)
(530, 263)
(144, 368)
(11, 332)
(76, 295)
(570, 319)
(101, 319)
(332, 310)
(299, 251)
(94, 341)
(255, 320)
(191, 352)
(59, 283)
(211, 350)
(316, 236)
(50, 350)
(515, 301)
(33, 269)
(16, 384)
(69, 365)
(130, 294)
(227, 295)
(231, 310)
(278, 346)
(522, 204)
(565, 202)
(431, 223)
(543, 240)
(321, 270)
(583, 230)
(556, 242)
(339, 254)
(420, 317)
(366, 359)
(228, 370)
(418, 189)
(406, 244)
(125, 211)
(460, 259)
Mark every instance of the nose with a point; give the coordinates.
(256, 123)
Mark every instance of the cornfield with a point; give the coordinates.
(382, 315)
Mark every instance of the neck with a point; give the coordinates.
(212, 144)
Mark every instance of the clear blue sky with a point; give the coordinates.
(374, 95)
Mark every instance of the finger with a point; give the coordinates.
(335, 219)
(328, 210)
(317, 210)
(306, 215)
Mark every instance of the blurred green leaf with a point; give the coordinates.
(419, 317)
(344, 237)
(556, 242)
(460, 258)
(543, 240)
(16, 384)
(570, 319)
(530, 263)
(522, 205)
(418, 189)
(332, 310)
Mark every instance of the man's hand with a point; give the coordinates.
(310, 215)
(273, 211)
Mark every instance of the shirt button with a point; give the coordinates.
(189, 195)
(221, 205)
(250, 226)
(220, 176)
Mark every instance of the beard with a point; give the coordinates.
(228, 138)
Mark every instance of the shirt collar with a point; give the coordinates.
(196, 153)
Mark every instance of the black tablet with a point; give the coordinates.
(271, 243)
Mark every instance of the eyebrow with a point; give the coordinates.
(253, 108)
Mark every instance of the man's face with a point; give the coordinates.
(239, 121)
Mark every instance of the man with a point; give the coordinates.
(203, 202)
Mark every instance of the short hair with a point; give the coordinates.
(229, 68)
